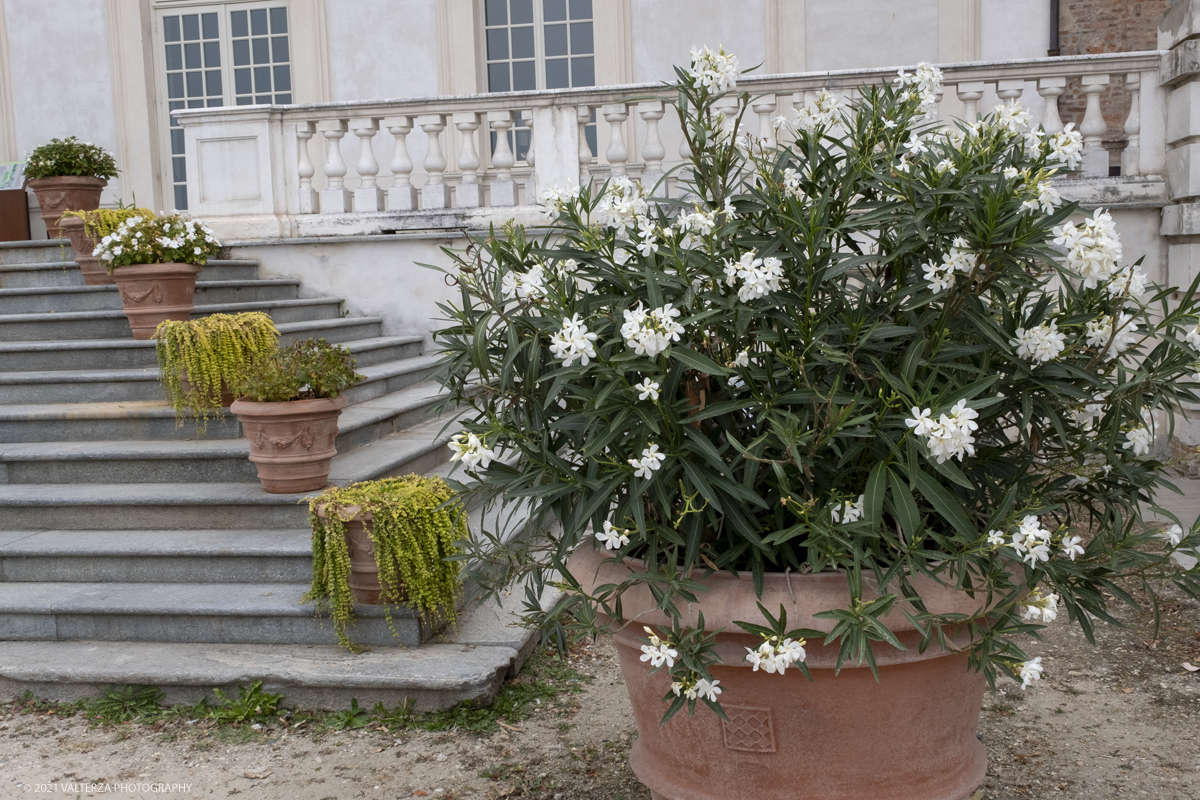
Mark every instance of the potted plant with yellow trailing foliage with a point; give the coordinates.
(67, 175)
(826, 439)
(86, 228)
(387, 542)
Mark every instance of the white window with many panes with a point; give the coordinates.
(219, 55)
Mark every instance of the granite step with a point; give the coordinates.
(55, 271)
(34, 250)
(61, 299)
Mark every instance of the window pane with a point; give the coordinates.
(279, 20)
(212, 54)
(195, 103)
(241, 81)
(557, 75)
(581, 38)
(522, 148)
(262, 100)
(258, 22)
(556, 40)
(174, 105)
(522, 12)
(283, 99)
(191, 56)
(279, 49)
(241, 52)
(171, 29)
(581, 9)
(283, 78)
(177, 141)
(191, 27)
(522, 42)
(583, 71)
(175, 85)
(215, 102)
(262, 51)
(174, 57)
(212, 83)
(524, 77)
(208, 23)
(554, 10)
(498, 77)
(262, 79)
(245, 101)
(589, 133)
(496, 12)
(181, 198)
(497, 44)
(195, 85)
(237, 22)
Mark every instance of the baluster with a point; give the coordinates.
(1093, 128)
(435, 193)
(1010, 91)
(583, 116)
(310, 203)
(970, 94)
(504, 191)
(765, 108)
(470, 191)
(531, 192)
(617, 153)
(653, 152)
(1051, 89)
(1132, 157)
(728, 106)
(335, 199)
(403, 195)
(368, 196)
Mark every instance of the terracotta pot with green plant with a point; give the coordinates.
(387, 542)
(155, 261)
(201, 360)
(86, 228)
(68, 175)
(290, 401)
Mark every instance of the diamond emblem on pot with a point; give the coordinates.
(749, 728)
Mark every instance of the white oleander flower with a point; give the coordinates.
(650, 461)
(704, 689)
(995, 538)
(556, 198)
(1041, 344)
(1044, 608)
(715, 71)
(946, 165)
(573, 341)
(1031, 671)
(1093, 248)
(759, 276)
(949, 436)
(659, 653)
(820, 113)
(1011, 117)
(939, 276)
(647, 389)
(1011, 172)
(469, 449)
(915, 146)
(848, 512)
(1066, 146)
(1138, 440)
(613, 538)
(924, 84)
(1086, 417)
(1129, 281)
(1193, 338)
(1173, 535)
(775, 656)
(650, 333)
(1046, 201)
(1071, 546)
(523, 285)
(1100, 334)
(621, 204)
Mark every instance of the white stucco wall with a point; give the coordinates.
(381, 49)
(851, 34)
(665, 30)
(1014, 29)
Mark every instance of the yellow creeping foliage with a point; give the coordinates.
(211, 352)
(415, 523)
(101, 222)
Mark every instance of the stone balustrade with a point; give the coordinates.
(467, 160)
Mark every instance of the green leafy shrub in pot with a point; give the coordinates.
(157, 240)
(303, 370)
(101, 222)
(70, 157)
(413, 523)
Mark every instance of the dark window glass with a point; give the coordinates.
(195, 85)
(241, 82)
(215, 102)
(497, 44)
(279, 20)
(181, 198)
(524, 76)
(581, 9)
(208, 23)
(262, 100)
(174, 57)
(284, 99)
(262, 51)
(581, 38)
(171, 29)
(262, 79)
(177, 141)
(557, 75)
(496, 12)
(522, 42)
(212, 54)
(283, 78)
(195, 103)
(554, 10)
(172, 106)
(179, 169)
(522, 12)
(522, 148)
(191, 27)
(556, 40)
(212, 82)
(241, 52)
(245, 101)
(191, 56)
(498, 77)
(279, 49)
(589, 133)
(175, 85)
(583, 71)
(258, 22)
(237, 22)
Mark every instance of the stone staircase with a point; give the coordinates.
(136, 550)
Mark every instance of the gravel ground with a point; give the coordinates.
(1118, 720)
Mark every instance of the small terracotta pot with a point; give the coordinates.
(291, 443)
(89, 265)
(364, 572)
(151, 293)
(909, 736)
(65, 193)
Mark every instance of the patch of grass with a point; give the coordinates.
(125, 704)
(251, 705)
(1003, 709)
(229, 734)
(350, 719)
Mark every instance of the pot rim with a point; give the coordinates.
(166, 266)
(255, 408)
(90, 179)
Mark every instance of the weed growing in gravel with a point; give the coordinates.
(125, 704)
(251, 705)
(350, 719)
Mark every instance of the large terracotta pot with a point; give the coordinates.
(909, 736)
(151, 293)
(291, 443)
(364, 572)
(89, 265)
(65, 193)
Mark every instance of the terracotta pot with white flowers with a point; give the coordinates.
(67, 175)
(155, 261)
(826, 441)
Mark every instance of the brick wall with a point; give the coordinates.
(1106, 26)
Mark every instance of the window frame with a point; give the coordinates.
(539, 44)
